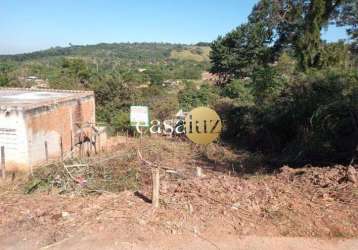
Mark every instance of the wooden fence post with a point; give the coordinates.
(3, 162)
(199, 172)
(61, 148)
(72, 144)
(156, 185)
(71, 141)
(99, 144)
(46, 151)
(81, 145)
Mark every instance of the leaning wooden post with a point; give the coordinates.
(61, 148)
(140, 140)
(99, 144)
(71, 141)
(3, 162)
(46, 151)
(199, 172)
(156, 185)
(81, 144)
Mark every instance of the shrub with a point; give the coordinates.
(314, 120)
(317, 118)
(120, 121)
(240, 91)
(164, 107)
(191, 98)
(267, 85)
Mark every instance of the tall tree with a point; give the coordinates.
(297, 24)
(237, 53)
(348, 16)
(308, 41)
(275, 25)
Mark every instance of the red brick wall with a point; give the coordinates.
(57, 121)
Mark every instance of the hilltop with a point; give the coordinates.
(138, 63)
(150, 52)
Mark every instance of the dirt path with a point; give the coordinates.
(190, 243)
(111, 240)
(124, 221)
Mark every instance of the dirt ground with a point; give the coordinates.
(232, 206)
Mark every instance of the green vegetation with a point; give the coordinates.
(198, 54)
(284, 91)
(120, 74)
(281, 90)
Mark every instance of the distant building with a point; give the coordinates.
(38, 125)
(31, 78)
(33, 82)
(171, 82)
(180, 115)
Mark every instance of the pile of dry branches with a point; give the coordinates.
(112, 173)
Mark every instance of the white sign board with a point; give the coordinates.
(139, 116)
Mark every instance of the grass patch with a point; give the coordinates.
(197, 54)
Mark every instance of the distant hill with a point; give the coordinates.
(79, 66)
(144, 52)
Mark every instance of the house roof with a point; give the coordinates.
(25, 99)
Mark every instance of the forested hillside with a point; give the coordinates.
(121, 74)
(161, 61)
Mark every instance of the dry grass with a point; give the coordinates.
(115, 172)
(295, 202)
(191, 55)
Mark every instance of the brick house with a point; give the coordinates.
(38, 125)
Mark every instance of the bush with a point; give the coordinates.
(238, 90)
(267, 85)
(120, 121)
(190, 98)
(4, 80)
(164, 108)
(317, 118)
(314, 120)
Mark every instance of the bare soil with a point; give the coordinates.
(235, 205)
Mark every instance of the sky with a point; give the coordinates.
(30, 25)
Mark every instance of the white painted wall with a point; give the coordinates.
(23, 148)
(13, 136)
(36, 142)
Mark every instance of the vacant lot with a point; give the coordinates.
(105, 201)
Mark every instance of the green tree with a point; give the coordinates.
(237, 53)
(120, 121)
(5, 70)
(239, 90)
(191, 98)
(348, 16)
(267, 84)
(155, 76)
(297, 24)
(334, 55)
